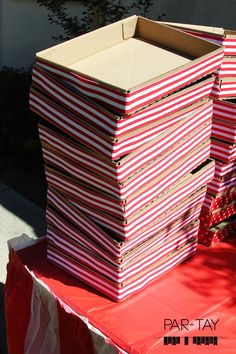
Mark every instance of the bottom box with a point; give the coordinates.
(213, 236)
(118, 292)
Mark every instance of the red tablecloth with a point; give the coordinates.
(202, 291)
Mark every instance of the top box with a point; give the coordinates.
(131, 63)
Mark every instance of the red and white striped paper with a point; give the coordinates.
(131, 268)
(228, 67)
(223, 151)
(108, 147)
(216, 201)
(118, 178)
(229, 43)
(224, 169)
(127, 102)
(224, 111)
(211, 237)
(118, 126)
(224, 121)
(112, 290)
(78, 226)
(224, 88)
(219, 185)
(148, 217)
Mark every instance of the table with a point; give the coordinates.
(49, 311)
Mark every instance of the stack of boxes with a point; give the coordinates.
(218, 220)
(126, 142)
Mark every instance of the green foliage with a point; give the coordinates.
(96, 13)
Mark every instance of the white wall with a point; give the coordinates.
(25, 29)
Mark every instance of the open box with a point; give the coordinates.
(142, 220)
(150, 59)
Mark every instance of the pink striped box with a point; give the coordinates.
(223, 151)
(213, 202)
(83, 230)
(120, 178)
(222, 170)
(224, 120)
(126, 207)
(80, 62)
(219, 185)
(168, 130)
(115, 290)
(145, 264)
(224, 88)
(228, 67)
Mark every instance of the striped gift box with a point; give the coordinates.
(133, 285)
(65, 61)
(219, 185)
(126, 208)
(123, 177)
(224, 121)
(220, 36)
(182, 230)
(145, 121)
(216, 201)
(228, 67)
(224, 88)
(224, 110)
(224, 169)
(223, 151)
(144, 219)
(104, 144)
(77, 225)
(212, 218)
(129, 268)
(213, 236)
